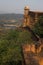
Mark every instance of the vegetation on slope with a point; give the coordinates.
(10, 46)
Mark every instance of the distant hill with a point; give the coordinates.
(3, 12)
(10, 16)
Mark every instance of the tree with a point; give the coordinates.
(38, 27)
(9, 52)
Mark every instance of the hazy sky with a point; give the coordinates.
(17, 6)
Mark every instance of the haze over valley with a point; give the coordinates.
(10, 20)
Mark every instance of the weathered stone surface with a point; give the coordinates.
(30, 56)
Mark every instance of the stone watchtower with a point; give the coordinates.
(26, 17)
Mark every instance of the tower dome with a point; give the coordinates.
(26, 8)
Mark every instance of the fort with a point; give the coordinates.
(33, 54)
(31, 17)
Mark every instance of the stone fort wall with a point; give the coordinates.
(31, 17)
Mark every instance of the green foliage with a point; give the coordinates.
(9, 52)
(10, 46)
(24, 37)
(38, 27)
